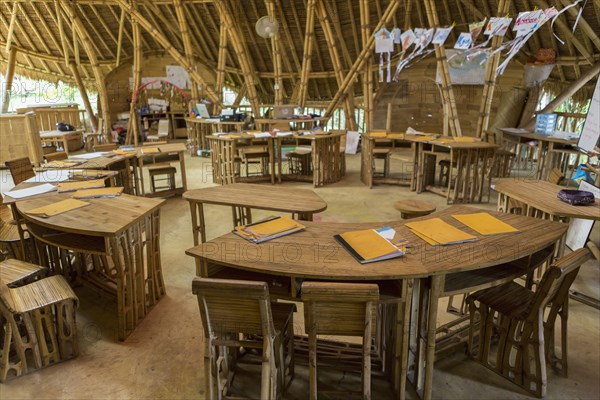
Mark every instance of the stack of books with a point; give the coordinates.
(268, 229)
(437, 232)
(368, 246)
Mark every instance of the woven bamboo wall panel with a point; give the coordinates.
(19, 137)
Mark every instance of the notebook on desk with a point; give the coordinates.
(268, 229)
(368, 246)
(437, 232)
(96, 193)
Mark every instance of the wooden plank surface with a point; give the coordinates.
(259, 196)
(103, 216)
(314, 253)
(542, 195)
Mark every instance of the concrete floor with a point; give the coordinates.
(162, 359)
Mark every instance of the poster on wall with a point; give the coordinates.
(464, 70)
(589, 140)
(178, 75)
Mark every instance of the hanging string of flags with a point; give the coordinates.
(415, 43)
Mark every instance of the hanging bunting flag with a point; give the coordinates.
(384, 44)
(423, 38)
(441, 34)
(497, 26)
(397, 35)
(476, 28)
(408, 38)
(464, 41)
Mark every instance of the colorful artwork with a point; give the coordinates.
(464, 71)
(464, 41)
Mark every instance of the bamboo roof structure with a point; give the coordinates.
(98, 35)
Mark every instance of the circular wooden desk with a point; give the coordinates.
(437, 270)
(113, 245)
(199, 128)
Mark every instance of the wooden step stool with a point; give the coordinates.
(382, 154)
(414, 208)
(162, 169)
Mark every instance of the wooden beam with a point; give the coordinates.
(61, 31)
(221, 62)
(365, 28)
(324, 18)
(84, 96)
(133, 129)
(11, 27)
(26, 34)
(360, 60)
(568, 92)
(164, 42)
(120, 37)
(187, 46)
(483, 120)
(583, 24)
(309, 38)
(448, 99)
(243, 58)
(8, 78)
(275, 46)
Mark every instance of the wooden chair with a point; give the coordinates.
(255, 154)
(556, 176)
(37, 318)
(232, 307)
(56, 156)
(300, 161)
(15, 272)
(168, 170)
(526, 337)
(20, 169)
(344, 309)
(92, 139)
(382, 151)
(105, 147)
(10, 241)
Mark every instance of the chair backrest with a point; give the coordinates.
(556, 176)
(57, 156)
(556, 281)
(332, 308)
(105, 147)
(233, 306)
(20, 169)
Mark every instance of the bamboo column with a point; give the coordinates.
(483, 121)
(367, 74)
(442, 62)
(61, 31)
(86, 42)
(360, 60)
(187, 47)
(10, 74)
(133, 129)
(236, 41)
(309, 35)
(570, 91)
(221, 61)
(164, 42)
(120, 37)
(276, 46)
(84, 96)
(337, 65)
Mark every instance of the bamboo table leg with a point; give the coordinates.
(271, 146)
(415, 166)
(183, 173)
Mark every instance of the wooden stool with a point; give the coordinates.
(39, 317)
(162, 169)
(299, 161)
(414, 208)
(382, 154)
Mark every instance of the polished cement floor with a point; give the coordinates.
(162, 359)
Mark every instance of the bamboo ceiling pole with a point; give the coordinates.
(164, 42)
(61, 31)
(309, 36)
(188, 49)
(360, 60)
(98, 76)
(367, 74)
(276, 47)
(335, 59)
(489, 86)
(236, 41)
(11, 26)
(568, 92)
(120, 37)
(442, 62)
(10, 74)
(84, 96)
(221, 59)
(585, 27)
(133, 130)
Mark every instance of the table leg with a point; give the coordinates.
(316, 161)
(415, 166)
(272, 159)
(140, 163)
(183, 173)
(65, 144)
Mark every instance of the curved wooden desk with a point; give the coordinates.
(199, 128)
(438, 270)
(111, 245)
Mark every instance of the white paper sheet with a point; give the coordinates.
(283, 134)
(580, 229)
(88, 156)
(49, 176)
(32, 191)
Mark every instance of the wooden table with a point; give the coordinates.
(166, 152)
(546, 145)
(299, 123)
(438, 271)
(111, 245)
(243, 197)
(199, 128)
(63, 137)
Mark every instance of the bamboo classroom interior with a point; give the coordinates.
(139, 64)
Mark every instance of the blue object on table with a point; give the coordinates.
(545, 124)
